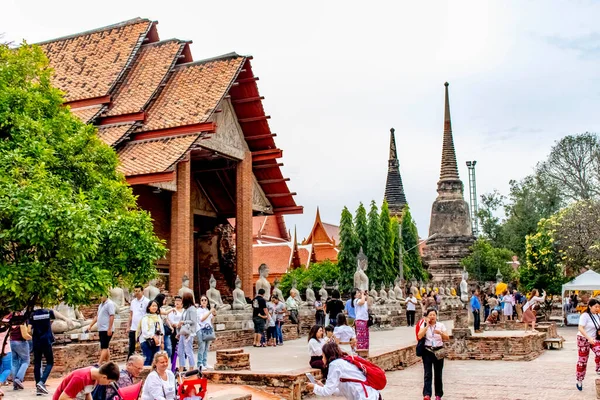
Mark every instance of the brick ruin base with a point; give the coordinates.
(506, 348)
(234, 359)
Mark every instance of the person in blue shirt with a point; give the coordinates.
(350, 312)
(475, 307)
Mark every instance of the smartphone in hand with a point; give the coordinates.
(311, 378)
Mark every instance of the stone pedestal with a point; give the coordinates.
(233, 359)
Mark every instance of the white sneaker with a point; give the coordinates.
(207, 367)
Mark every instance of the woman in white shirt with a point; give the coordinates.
(588, 338)
(344, 379)
(344, 334)
(411, 309)
(160, 383)
(435, 335)
(315, 349)
(188, 326)
(205, 316)
(528, 311)
(361, 322)
(151, 332)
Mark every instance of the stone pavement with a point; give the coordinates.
(550, 376)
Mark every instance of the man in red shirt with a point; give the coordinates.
(83, 380)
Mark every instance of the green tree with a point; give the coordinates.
(542, 269)
(349, 247)
(413, 266)
(489, 221)
(316, 273)
(485, 260)
(375, 246)
(387, 251)
(360, 224)
(395, 228)
(69, 224)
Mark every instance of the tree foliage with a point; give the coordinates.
(573, 166)
(387, 251)
(315, 273)
(349, 247)
(485, 260)
(542, 269)
(375, 246)
(69, 224)
(413, 266)
(360, 223)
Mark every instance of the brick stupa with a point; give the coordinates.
(450, 234)
(394, 190)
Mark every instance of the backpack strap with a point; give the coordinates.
(357, 381)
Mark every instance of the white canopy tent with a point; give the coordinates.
(589, 280)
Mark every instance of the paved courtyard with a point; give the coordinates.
(550, 376)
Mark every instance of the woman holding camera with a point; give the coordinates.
(435, 335)
(588, 338)
(361, 323)
(151, 332)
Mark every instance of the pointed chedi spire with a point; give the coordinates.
(449, 169)
(394, 190)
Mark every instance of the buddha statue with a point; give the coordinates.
(383, 295)
(151, 291)
(310, 294)
(262, 282)
(441, 291)
(185, 287)
(414, 289)
(117, 296)
(239, 297)
(214, 296)
(296, 294)
(392, 295)
(323, 292)
(361, 280)
(277, 291)
(464, 287)
(398, 289)
(68, 320)
(373, 292)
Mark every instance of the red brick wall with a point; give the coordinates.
(159, 206)
(243, 222)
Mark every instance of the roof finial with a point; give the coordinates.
(449, 169)
(318, 215)
(393, 152)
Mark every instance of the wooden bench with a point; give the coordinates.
(550, 343)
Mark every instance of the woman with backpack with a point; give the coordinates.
(588, 337)
(435, 335)
(345, 378)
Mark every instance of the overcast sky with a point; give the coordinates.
(338, 74)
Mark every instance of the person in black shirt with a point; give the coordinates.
(334, 306)
(260, 314)
(42, 338)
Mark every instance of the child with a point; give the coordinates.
(329, 334)
(271, 330)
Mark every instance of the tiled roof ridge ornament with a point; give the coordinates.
(394, 189)
(449, 169)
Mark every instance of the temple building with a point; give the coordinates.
(450, 234)
(394, 190)
(192, 137)
(325, 239)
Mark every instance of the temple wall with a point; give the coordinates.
(159, 207)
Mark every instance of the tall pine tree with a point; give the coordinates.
(360, 225)
(375, 246)
(395, 228)
(349, 247)
(413, 267)
(387, 252)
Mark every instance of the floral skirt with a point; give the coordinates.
(362, 334)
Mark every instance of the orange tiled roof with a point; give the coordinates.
(323, 253)
(89, 64)
(333, 231)
(276, 256)
(305, 253)
(193, 92)
(152, 64)
(154, 155)
(113, 134)
(86, 114)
